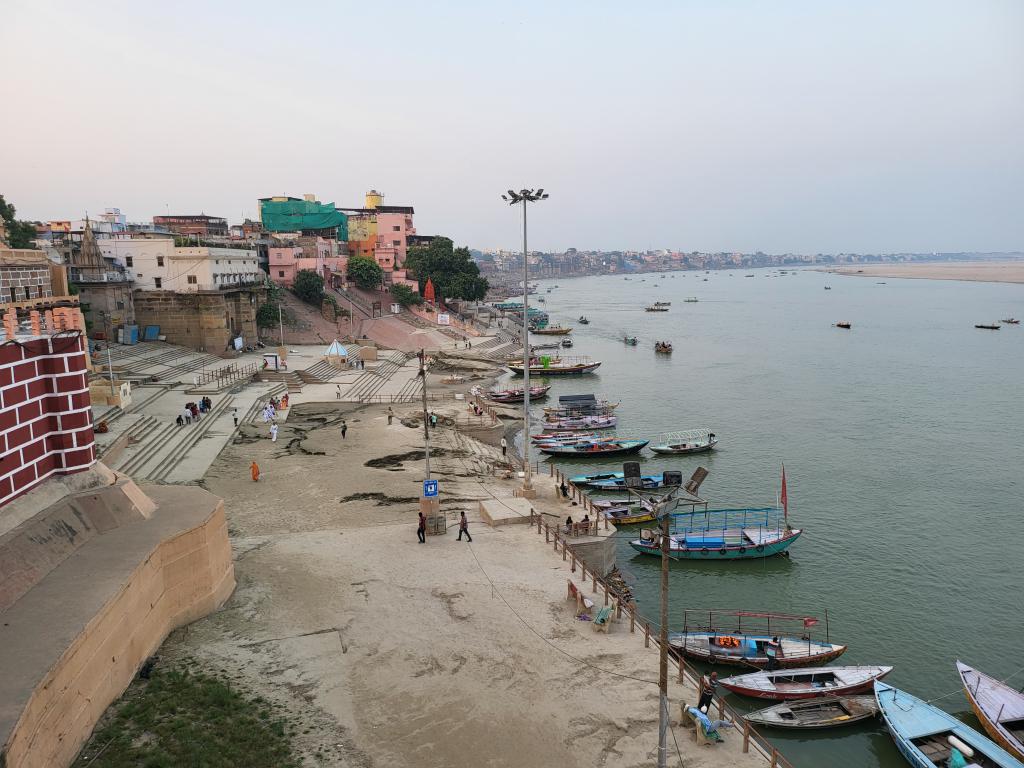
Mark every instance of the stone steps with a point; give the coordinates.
(177, 452)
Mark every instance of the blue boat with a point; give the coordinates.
(722, 534)
(926, 735)
(613, 481)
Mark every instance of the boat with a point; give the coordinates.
(691, 441)
(556, 367)
(805, 682)
(720, 637)
(516, 395)
(551, 330)
(828, 287)
(645, 508)
(583, 320)
(567, 436)
(588, 407)
(663, 347)
(605, 421)
(663, 303)
(824, 712)
(630, 341)
(690, 300)
(926, 735)
(999, 707)
(722, 534)
(556, 345)
(988, 326)
(614, 481)
(1010, 321)
(567, 343)
(541, 299)
(844, 324)
(594, 449)
(744, 275)
(655, 308)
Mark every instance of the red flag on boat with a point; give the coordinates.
(808, 622)
(783, 496)
(428, 291)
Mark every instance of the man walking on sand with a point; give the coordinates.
(255, 470)
(504, 447)
(421, 529)
(234, 415)
(464, 526)
(337, 392)
(273, 433)
(344, 429)
(391, 415)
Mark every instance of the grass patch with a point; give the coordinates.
(180, 720)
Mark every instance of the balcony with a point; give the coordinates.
(90, 276)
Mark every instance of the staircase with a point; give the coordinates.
(367, 385)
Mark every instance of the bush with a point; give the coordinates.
(309, 286)
(405, 295)
(366, 273)
(266, 315)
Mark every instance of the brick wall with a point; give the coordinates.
(22, 283)
(45, 417)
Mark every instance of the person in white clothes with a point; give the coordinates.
(273, 433)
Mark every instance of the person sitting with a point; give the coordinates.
(564, 489)
(568, 524)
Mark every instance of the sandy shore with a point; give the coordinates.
(388, 652)
(974, 271)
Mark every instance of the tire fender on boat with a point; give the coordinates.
(742, 550)
(760, 547)
(722, 551)
(704, 550)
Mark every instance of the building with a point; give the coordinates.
(382, 233)
(285, 261)
(105, 286)
(193, 225)
(29, 280)
(303, 216)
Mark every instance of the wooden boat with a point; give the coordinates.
(551, 330)
(663, 303)
(988, 326)
(690, 300)
(1011, 321)
(824, 712)
(556, 367)
(644, 509)
(618, 447)
(630, 341)
(722, 534)
(806, 682)
(583, 320)
(999, 707)
(624, 514)
(691, 441)
(579, 405)
(655, 308)
(536, 346)
(926, 735)
(844, 324)
(754, 639)
(567, 343)
(828, 287)
(576, 423)
(516, 395)
(663, 347)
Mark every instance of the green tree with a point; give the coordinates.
(20, 234)
(309, 286)
(366, 273)
(266, 315)
(452, 270)
(405, 295)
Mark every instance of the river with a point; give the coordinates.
(903, 441)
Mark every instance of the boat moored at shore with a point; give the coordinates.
(805, 682)
(999, 707)
(820, 712)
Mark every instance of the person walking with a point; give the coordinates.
(273, 432)
(421, 529)
(433, 420)
(344, 429)
(337, 391)
(391, 415)
(708, 688)
(234, 415)
(504, 447)
(255, 470)
(188, 416)
(464, 527)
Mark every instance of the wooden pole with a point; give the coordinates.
(647, 635)
(746, 736)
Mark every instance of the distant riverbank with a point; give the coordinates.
(976, 271)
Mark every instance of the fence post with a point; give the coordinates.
(679, 663)
(564, 550)
(547, 536)
(632, 618)
(647, 634)
(775, 757)
(594, 574)
(573, 568)
(606, 594)
(746, 736)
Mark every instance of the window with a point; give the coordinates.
(280, 273)
(28, 292)
(396, 228)
(128, 261)
(192, 279)
(158, 282)
(159, 261)
(396, 242)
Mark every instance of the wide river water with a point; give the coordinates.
(903, 441)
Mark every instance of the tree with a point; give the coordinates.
(405, 295)
(452, 270)
(366, 273)
(266, 315)
(309, 286)
(20, 234)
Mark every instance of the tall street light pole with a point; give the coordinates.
(522, 197)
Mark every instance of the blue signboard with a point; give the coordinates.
(429, 489)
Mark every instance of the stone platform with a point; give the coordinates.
(505, 511)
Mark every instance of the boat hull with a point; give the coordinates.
(572, 453)
(859, 680)
(827, 712)
(574, 370)
(998, 695)
(666, 449)
(732, 552)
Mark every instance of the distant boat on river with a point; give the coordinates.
(988, 326)
(844, 324)
(1011, 321)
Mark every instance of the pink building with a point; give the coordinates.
(284, 262)
(394, 227)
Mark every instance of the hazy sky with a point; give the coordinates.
(716, 125)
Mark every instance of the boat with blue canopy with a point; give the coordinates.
(722, 534)
(927, 736)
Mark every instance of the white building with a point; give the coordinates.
(157, 265)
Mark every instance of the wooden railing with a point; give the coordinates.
(553, 534)
(229, 374)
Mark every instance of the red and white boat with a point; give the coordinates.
(805, 682)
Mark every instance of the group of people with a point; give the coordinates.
(194, 411)
(272, 407)
(421, 528)
(583, 524)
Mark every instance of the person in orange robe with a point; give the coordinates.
(255, 469)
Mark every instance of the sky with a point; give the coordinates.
(724, 125)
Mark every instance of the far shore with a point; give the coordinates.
(972, 271)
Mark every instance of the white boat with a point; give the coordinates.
(806, 682)
(689, 441)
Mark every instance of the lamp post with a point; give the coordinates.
(523, 197)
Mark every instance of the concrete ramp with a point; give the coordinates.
(497, 512)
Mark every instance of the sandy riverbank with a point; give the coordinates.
(389, 652)
(973, 271)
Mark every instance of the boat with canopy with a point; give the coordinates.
(688, 441)
(557, 366)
